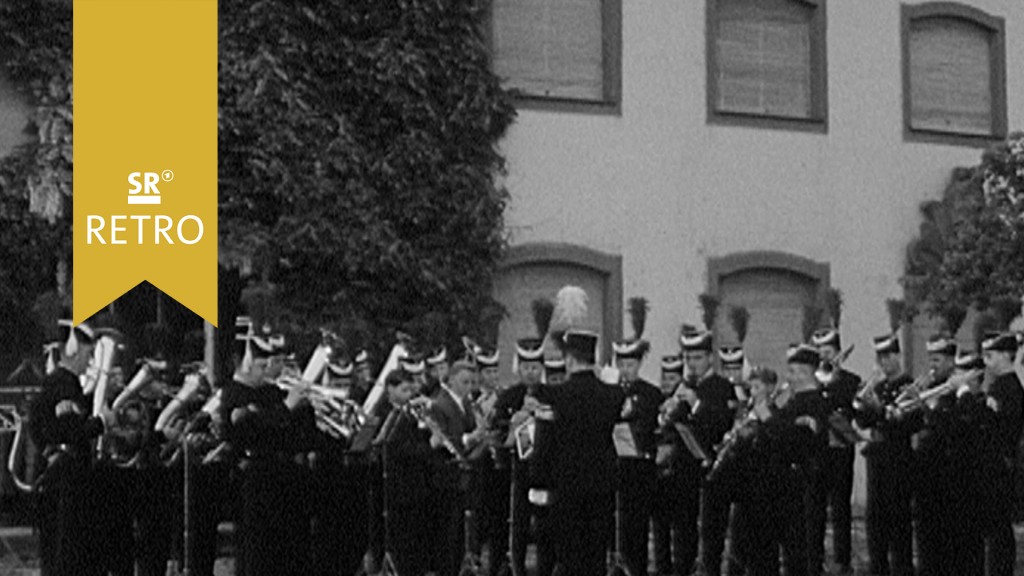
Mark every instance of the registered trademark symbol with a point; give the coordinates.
(167, 175)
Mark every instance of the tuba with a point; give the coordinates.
(18, 459)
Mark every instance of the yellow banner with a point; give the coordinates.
(145, 179)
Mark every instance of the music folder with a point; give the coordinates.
(625, 442)
(524, 438)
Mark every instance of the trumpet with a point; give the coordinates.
(866, 394)
(922, 399)
(915, 388)
(418, 410)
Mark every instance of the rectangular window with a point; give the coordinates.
(766, 62)
(558, 50)
(954, 70)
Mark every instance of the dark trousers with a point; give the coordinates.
(636, 504)
(67, 542)
(890, 532)
(834, 494)
(274, 519)
(522, 514)
(677, 509)
(1000, 491)
(447, 530)
(584, 522)
(156, 506)
(115, 515)
(340, 535)
(714, 515)
(768, 522)
(490, 497)
(408, 533)
(212, 496)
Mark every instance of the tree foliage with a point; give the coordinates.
(970, 249)
(357, 158)
(36, 178)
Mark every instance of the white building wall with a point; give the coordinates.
(667, 190)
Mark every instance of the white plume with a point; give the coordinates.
(570, 308)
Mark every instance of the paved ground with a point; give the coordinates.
(18, 552)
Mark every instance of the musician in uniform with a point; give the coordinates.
(405, 449)
(340, 534)
(496, 407)
(934, 482)
(554, 371)
(888, 455)
(1004, 420)
(839, 387)
(488, 363)
(636, 474)
(669, 495)
(508, 415)
(713, 402)
(363, 376)
(965, 504)
(416, 367)
(436, 373)
(731, 360)
(268, 427)
(60, 423)
(776, 453)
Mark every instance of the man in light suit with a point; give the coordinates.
(451, 409)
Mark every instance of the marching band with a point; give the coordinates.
(436, 467)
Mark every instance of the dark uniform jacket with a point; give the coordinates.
(891, 435)
(709, 419)
(838, 396)
(73, 430)
(269, 428)
(575, 451)
(645, 399)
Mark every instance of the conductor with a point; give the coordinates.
(576, 458)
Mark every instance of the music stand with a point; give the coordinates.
(625, 448)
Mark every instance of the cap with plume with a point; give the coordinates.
(635, 347)
(953, 316)
(834, 305)
(638, 307)
(570, 309)
(811, 320)
(709, 305)
(897, 309)
(997, 316)
(543, 309)
(739, 317)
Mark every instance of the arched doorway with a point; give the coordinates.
(777, 289)
(539, 270)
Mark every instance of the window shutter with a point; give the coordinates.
(550, 48)
(950, 76)
(764, 58)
